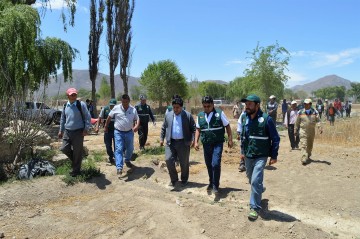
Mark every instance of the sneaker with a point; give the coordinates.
(119, 172)
(129, 164)
(253, 215)
(142, 148)
(215, 190)
(209, 188)
(242, 168)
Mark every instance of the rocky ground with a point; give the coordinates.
(320, 200)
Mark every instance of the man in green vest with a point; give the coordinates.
(259, 140)
(144, 112)
(109, 135)
(210, 127)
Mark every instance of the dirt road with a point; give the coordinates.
(320, 200)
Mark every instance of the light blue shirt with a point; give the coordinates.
(177, 131)
(71, 118)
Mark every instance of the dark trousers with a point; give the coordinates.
(143, 133)
(294, 140)
(109, 144)
(177, 150)
(212, 155)
(72, 146)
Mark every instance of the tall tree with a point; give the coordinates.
(162, 80)
(267, 70)
(355, 90)
(213, 89)
(26, 60)
(113, 40)
(96, 29)
(125, 16)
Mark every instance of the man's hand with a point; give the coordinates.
(105, 129)
(96, 129)
(242, 157)
(272, 161)
(135, 129)
(196, 146)
(161, 143)
(192, 144)
(238, 137)
(230, 143)
(60, 135)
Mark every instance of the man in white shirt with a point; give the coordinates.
(125, 115)
(289, 123)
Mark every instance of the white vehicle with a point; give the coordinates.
(39, 110)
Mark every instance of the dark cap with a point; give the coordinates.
(112, 102)
(254, 98)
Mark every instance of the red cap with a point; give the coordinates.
(71, 91)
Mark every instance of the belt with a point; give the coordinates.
(177, 139)
(124, 131)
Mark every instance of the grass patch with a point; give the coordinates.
(98, 155)
(88, 171)
(157, 150)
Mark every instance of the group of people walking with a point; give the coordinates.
(180, 131)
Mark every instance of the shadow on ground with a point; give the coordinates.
(139, 173)
(274, 215)
(100, 181)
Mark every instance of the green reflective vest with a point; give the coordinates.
(106, 114)
(256, 141)
(143, 112)
(212, 132)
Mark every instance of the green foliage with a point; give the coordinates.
(26, 60)
(213, 89)
(84, 94)
(289, 94)
(136, 91)
(105, 89)
(238, 88)
(157, 150)
(194, 93)
(98, 156)
(162, 80)
(266, 73)
(331, 92)
(88, 171)
(355, 90)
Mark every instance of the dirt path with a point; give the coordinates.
(316, 201)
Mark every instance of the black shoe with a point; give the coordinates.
(142, 148)
(215, 190)
(184, 183)
(209, 188)
(129, 164)
(111, 161)
(74, 173)
(242, 168)
(119, 172)
(172, 183)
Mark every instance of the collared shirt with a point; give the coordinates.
(124, 119)
(176, 129)
(293, 116)
(224, 119)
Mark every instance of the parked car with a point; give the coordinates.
(38, 110)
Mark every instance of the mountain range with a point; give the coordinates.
(81, 81)
(323, 82)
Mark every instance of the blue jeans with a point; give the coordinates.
(212, 155)
(255, 173)
(109, 143)
(123, 140)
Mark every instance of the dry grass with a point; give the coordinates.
(345, 132)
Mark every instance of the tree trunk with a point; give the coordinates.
(93, 96)
(112, 82)
(125, 79)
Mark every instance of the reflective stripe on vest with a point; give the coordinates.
(258, 137)
(212, 129)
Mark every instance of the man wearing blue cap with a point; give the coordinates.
(259, 140)
(109, 135)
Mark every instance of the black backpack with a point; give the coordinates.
(36, 167)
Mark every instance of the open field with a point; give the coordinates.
(320, 200)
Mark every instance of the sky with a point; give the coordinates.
(211, 39)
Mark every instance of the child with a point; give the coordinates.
(331, 112)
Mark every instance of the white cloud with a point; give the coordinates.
(234, 62)
(337, 59)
